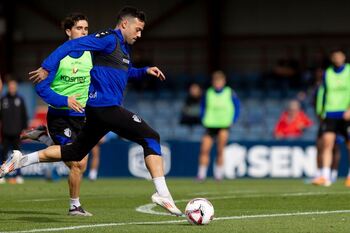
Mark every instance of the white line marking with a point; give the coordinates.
(179, 221)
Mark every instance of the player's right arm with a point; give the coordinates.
(43, 89)
(105, 44)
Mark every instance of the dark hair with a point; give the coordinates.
(219, 74)
(337, 50)
(9, 78)
(131, 11)
(72, 19)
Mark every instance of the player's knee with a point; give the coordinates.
(77, 167)
(82, 165)
(151, 146)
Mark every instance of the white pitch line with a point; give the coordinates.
(179, 221)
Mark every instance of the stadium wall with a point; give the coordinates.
(276, 159)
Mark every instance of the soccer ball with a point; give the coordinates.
(199, 211)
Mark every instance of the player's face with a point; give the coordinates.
(218, 82)
(132, 30)
(80, 28)
(12, 87)
(338, 59)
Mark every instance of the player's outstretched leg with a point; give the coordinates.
(17, 160)
(12, 163)
(162, 197)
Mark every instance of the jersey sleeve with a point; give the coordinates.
(43, 89)
(137, 73)
(95, 42)
(237, 105)
(319, 100)
(202, 106)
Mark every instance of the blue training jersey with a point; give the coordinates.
(108, 82)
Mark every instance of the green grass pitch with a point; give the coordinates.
(242, 205)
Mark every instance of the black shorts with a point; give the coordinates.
(213, 132)
(337, 126)
(101, 120)
(64, 129)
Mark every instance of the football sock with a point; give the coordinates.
(74, 202)
(161, 187)
(93, 174)
(326, 173)
(334, 175)
(318, 172)
(202, 172)
(30, 159)
(219, 172)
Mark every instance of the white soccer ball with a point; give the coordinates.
(199, 211)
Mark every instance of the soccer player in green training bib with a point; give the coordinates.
(66, 92)
(335, 112)
(219, 110)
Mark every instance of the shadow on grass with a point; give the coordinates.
(38, 219)
(185, 224)
(26, 212)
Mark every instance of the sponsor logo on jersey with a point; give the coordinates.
(136, 118)
(126, 61)
(93, 95)
(73, 79)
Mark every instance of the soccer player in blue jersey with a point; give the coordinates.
(112, 68)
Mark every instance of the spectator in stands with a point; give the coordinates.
(220, 109)
(190, 113)
(292, 122)
(13, 117)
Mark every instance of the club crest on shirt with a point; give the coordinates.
(67, 132)
(136, 118)
(75, 70)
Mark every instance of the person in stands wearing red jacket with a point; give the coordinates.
(292, 122)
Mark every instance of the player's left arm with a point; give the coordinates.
(156, 72)
(202, 106)
(137, 73)
(237, 105)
